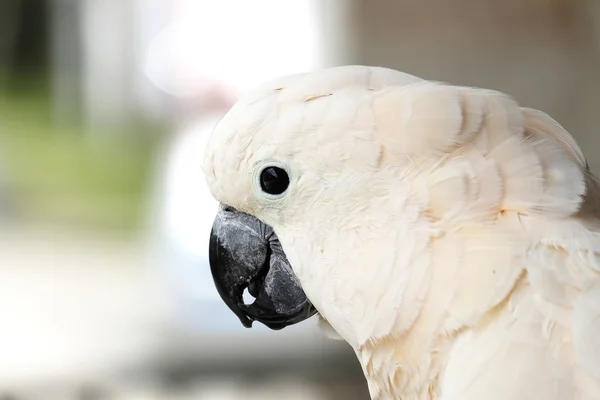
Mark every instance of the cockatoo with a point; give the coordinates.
(450, 236)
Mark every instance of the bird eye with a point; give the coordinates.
(274, 180)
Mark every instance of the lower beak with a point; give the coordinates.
(245, 254)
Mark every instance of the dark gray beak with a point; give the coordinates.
(245, 253)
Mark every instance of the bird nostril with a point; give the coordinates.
(228, 208)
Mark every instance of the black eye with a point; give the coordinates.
(274, 180)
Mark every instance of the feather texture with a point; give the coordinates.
(449, 235)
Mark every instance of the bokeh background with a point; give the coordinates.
(104, 217)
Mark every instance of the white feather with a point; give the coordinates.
(450, 236)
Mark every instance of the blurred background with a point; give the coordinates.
(105, 291)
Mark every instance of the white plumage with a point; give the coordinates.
(449, 235)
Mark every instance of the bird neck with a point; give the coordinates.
(405, 367)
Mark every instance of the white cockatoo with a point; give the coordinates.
(450, 236)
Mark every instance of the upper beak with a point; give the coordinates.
(245, 253)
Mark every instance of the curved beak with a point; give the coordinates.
(246, 253)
